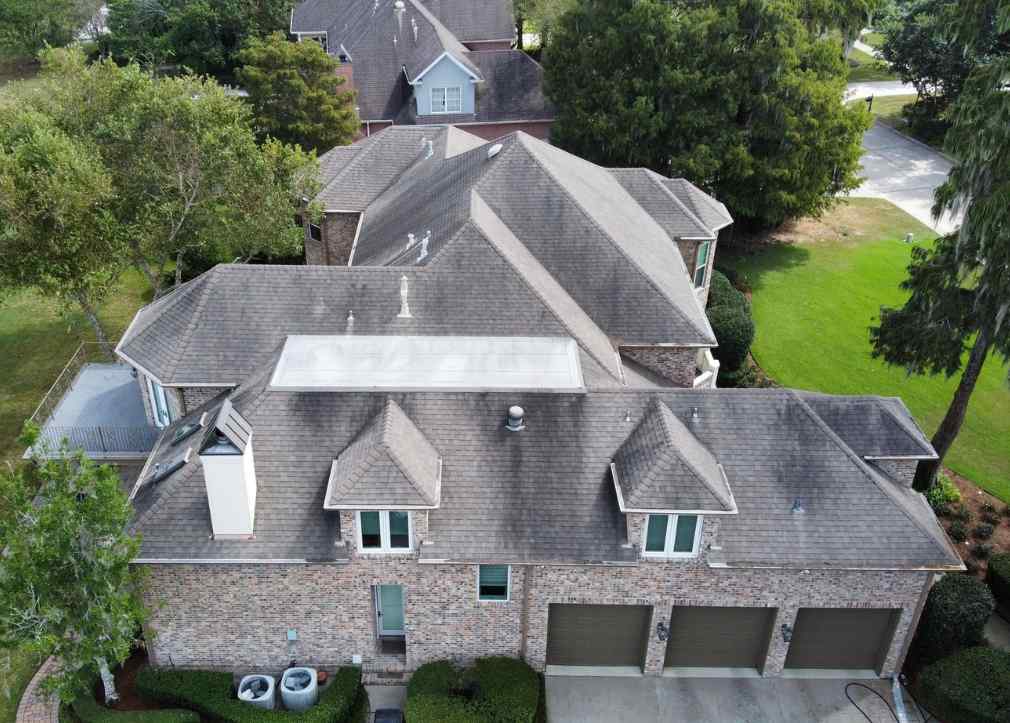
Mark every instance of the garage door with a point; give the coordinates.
(841, 638)
(600, 635)
(719, 637)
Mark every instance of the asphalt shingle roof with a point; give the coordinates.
(545, 494)
(389, 464)
(872, 426)
(662, 466)
(712, 213)
(649, 190)
(475, 20)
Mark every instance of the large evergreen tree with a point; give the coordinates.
(960, 289)
(736, 95)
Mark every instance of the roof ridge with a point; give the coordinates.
(619, 376)
(882, 484)
(663, 411)
(657, 180)
(902, 423)
(159, 304)
(521, 137)
(212, 275)
(391, 408)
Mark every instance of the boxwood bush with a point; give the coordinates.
(734, 330)
(954, 617)
(970, 686)
(998, 577)
(211, 694)
(495, 690)
(87, 710)
(721, 292)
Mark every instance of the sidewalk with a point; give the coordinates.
(36, 707)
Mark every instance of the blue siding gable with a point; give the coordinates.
(445, 74)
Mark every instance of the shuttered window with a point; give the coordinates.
(493, 582)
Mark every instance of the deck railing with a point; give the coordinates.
(100, 441)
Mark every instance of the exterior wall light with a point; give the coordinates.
(662, 632)
(787, 632)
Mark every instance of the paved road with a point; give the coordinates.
(714, 700)
(904, 172)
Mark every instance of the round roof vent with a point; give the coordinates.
(494, 150)
(514, 421)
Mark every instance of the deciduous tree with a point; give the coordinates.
(296, 94)
(26, 26)
(736, 95)
(66, 585)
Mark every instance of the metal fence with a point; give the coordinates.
(107, 441)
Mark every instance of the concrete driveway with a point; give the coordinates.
(904, 172)
(715, 700)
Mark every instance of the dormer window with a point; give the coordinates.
(446, 100)
(384, 531)
(672, 536)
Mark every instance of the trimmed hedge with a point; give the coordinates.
(954, 617)
(495, 690)
(721, 292)
(998, 577)
(734, 330)
(88, 710)
(971, 686)
(211, 694)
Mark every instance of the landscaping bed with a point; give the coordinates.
(494, 690)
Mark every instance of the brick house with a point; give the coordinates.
(431, 61)
(487, 436)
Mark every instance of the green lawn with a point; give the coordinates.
(16, 670)
(864, 68)
(873, 39)
(814, 299)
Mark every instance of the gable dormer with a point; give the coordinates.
(446, 87)
(666, 483)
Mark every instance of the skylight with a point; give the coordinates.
(409, 363)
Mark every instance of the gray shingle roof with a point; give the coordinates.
(221, 327)
(573, 216)
(663, 467)
(872, 426)
(390, 464)
(649, 189)
(475, 20)
(711, 212)
(545, 494)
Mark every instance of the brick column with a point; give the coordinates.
(36, 706)
(655, 649)
(778, 647)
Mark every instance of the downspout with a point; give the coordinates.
(899, 699)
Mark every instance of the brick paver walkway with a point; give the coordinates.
(35, 706)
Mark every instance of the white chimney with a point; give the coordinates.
(230, 475)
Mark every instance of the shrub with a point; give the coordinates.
(960, 512)
(971, 686)
(495, 690)
(989, 513)
(721, 292)
(734, 330)
(970, 567)
(211, 694)
(954, 617)
(982, 531)
(981, 551)
(942, 494)
(87, 710)
(998, 577)
(958, 531)
(745, 376)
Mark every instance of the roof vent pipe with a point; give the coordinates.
(413, 25)
(494, 150)
(798, 505)
(514, 422)
(404, 306)
(410, 241)
(429, 149)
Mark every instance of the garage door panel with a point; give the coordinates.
(841, 638)
(719, 637)
(597, 635)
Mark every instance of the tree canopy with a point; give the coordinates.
(960, 288)
(189, 182)
(296, 94)
(201, 35)
(735, 95)
(26, 26)
(66, 585)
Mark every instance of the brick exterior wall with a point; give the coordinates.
(236, 617)
(194, 397)
(900, 470)
(678, 364)
(338, 232)
(490, 131)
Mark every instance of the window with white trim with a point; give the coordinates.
(672, 536)
(159, 404)
(384, 531)
(701, 263)
(447, 100)
(493, 582)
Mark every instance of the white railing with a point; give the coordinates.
(708, 370)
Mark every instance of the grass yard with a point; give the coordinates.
(864, 68)
(816, 292)
(873, 39)
(16, 670)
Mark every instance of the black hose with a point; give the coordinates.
(876, 693)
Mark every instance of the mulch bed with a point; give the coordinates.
(126, 685)
(974, 499)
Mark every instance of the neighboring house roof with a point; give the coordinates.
(663, 467)
(544, 495)
(390, 49)
(389, 464)
(220, 327)
(513, 89)
(711, 212)
(582, 226)
(873, 427)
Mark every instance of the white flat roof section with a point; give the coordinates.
(428, 363)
